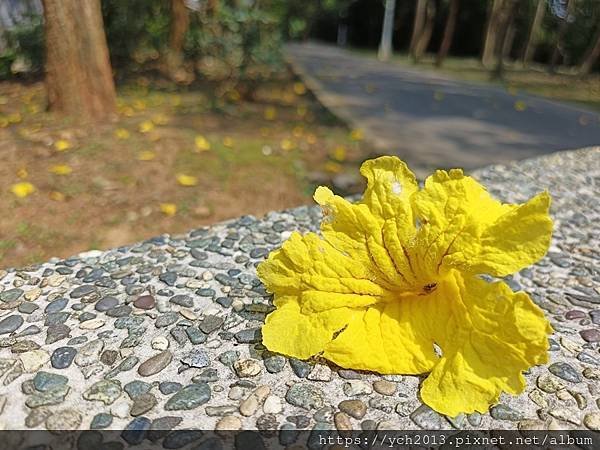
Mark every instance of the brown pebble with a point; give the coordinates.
(144, 302)
(354, 408)
(384, 387)
(591, 335)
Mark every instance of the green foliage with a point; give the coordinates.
(24, 44)
(239, 44)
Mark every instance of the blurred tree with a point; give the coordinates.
(562, 30)
(534, 32)
(418, 24)
(591, 55)
(426, 31)
(503, 38)
(385, 47)
(78, 72)
(448, 32)
(180, 22)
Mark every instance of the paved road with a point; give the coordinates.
(432, 121)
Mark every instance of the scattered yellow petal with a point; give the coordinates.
(339, 153)
(160, 119)
(287, 145)
(4, 122)
(146, 155)
(234, 95)
(146, 126)
(187, 180)
(168, 209)
(299, 88)
(357, 135)
(520, 105)
(57, 196)
(122, 133)
(202, 143)
(15, 118)
(311, 139)
(298, 131)
(270, 113)
(61, 169)
(332, 167)
(22, 189)
(127, 111)
(22, 173)
(301, 111)
(140, 105)
(62, 145)
(228, 142)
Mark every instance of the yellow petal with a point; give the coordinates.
(146, 127)
(287, 145)
(121, 133)
(339, 153)
(22, 173)
(515, 240)
(497, 335)
(57, 196)
(187, 180)
(299, 88)
(61, 145)
(22, 189)
(168, 209)
(332, 167)
(270, 113)
(228, 142)
(357, 135)
(146, 155)
(61, 169)
(202, 143)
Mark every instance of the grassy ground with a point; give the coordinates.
(172, 162)
(564, 85)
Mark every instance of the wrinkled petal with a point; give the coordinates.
(499, 334)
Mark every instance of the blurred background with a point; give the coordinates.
(124, 119)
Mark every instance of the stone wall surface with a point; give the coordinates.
(166, 333)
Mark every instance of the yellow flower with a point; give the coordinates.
(57, 196)
(22, 189)
(332, 167)
(270, 113)
(168, 209)
(146, 155)
(339, 153)
(121, 133)
(160, 119)
(202, 143)
(287, 145)
(62, 145)
(228, 142)
(357, 135)
(61, 169)
(4, 122)
(299, 88)
(15, 118)
(146, 126)
(22, 173)
(301, 111)
(187, 180)
(393, 286)
(520, 105)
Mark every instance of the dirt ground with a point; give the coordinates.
(173, 161)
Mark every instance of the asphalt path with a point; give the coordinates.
(433, 121)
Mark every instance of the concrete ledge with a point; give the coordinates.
(82, 347)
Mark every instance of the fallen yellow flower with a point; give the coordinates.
(339, 153)
(357, 135)
(22, 173)
(187, 180)
(146, 155)
(287, 145)
(168, 209)
(332, 167)
(228, 142)
(393, 286)
(299, 88)
(121, 133)
(61, 169)
(146, 126)
(62, 145)
(57, 196)
(270, 113)
(22, 189)
(520, 105)
(202, 143)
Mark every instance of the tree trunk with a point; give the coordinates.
(534, 32)
(491, 34)
(509, 38)
(385, 46)
(448, 33)
(503, 39)
(173, 67)
(78, 73)
(425, 37)
(417, 25)
(562, 30)
(591, 56)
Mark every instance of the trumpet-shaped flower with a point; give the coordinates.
(394, 286)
